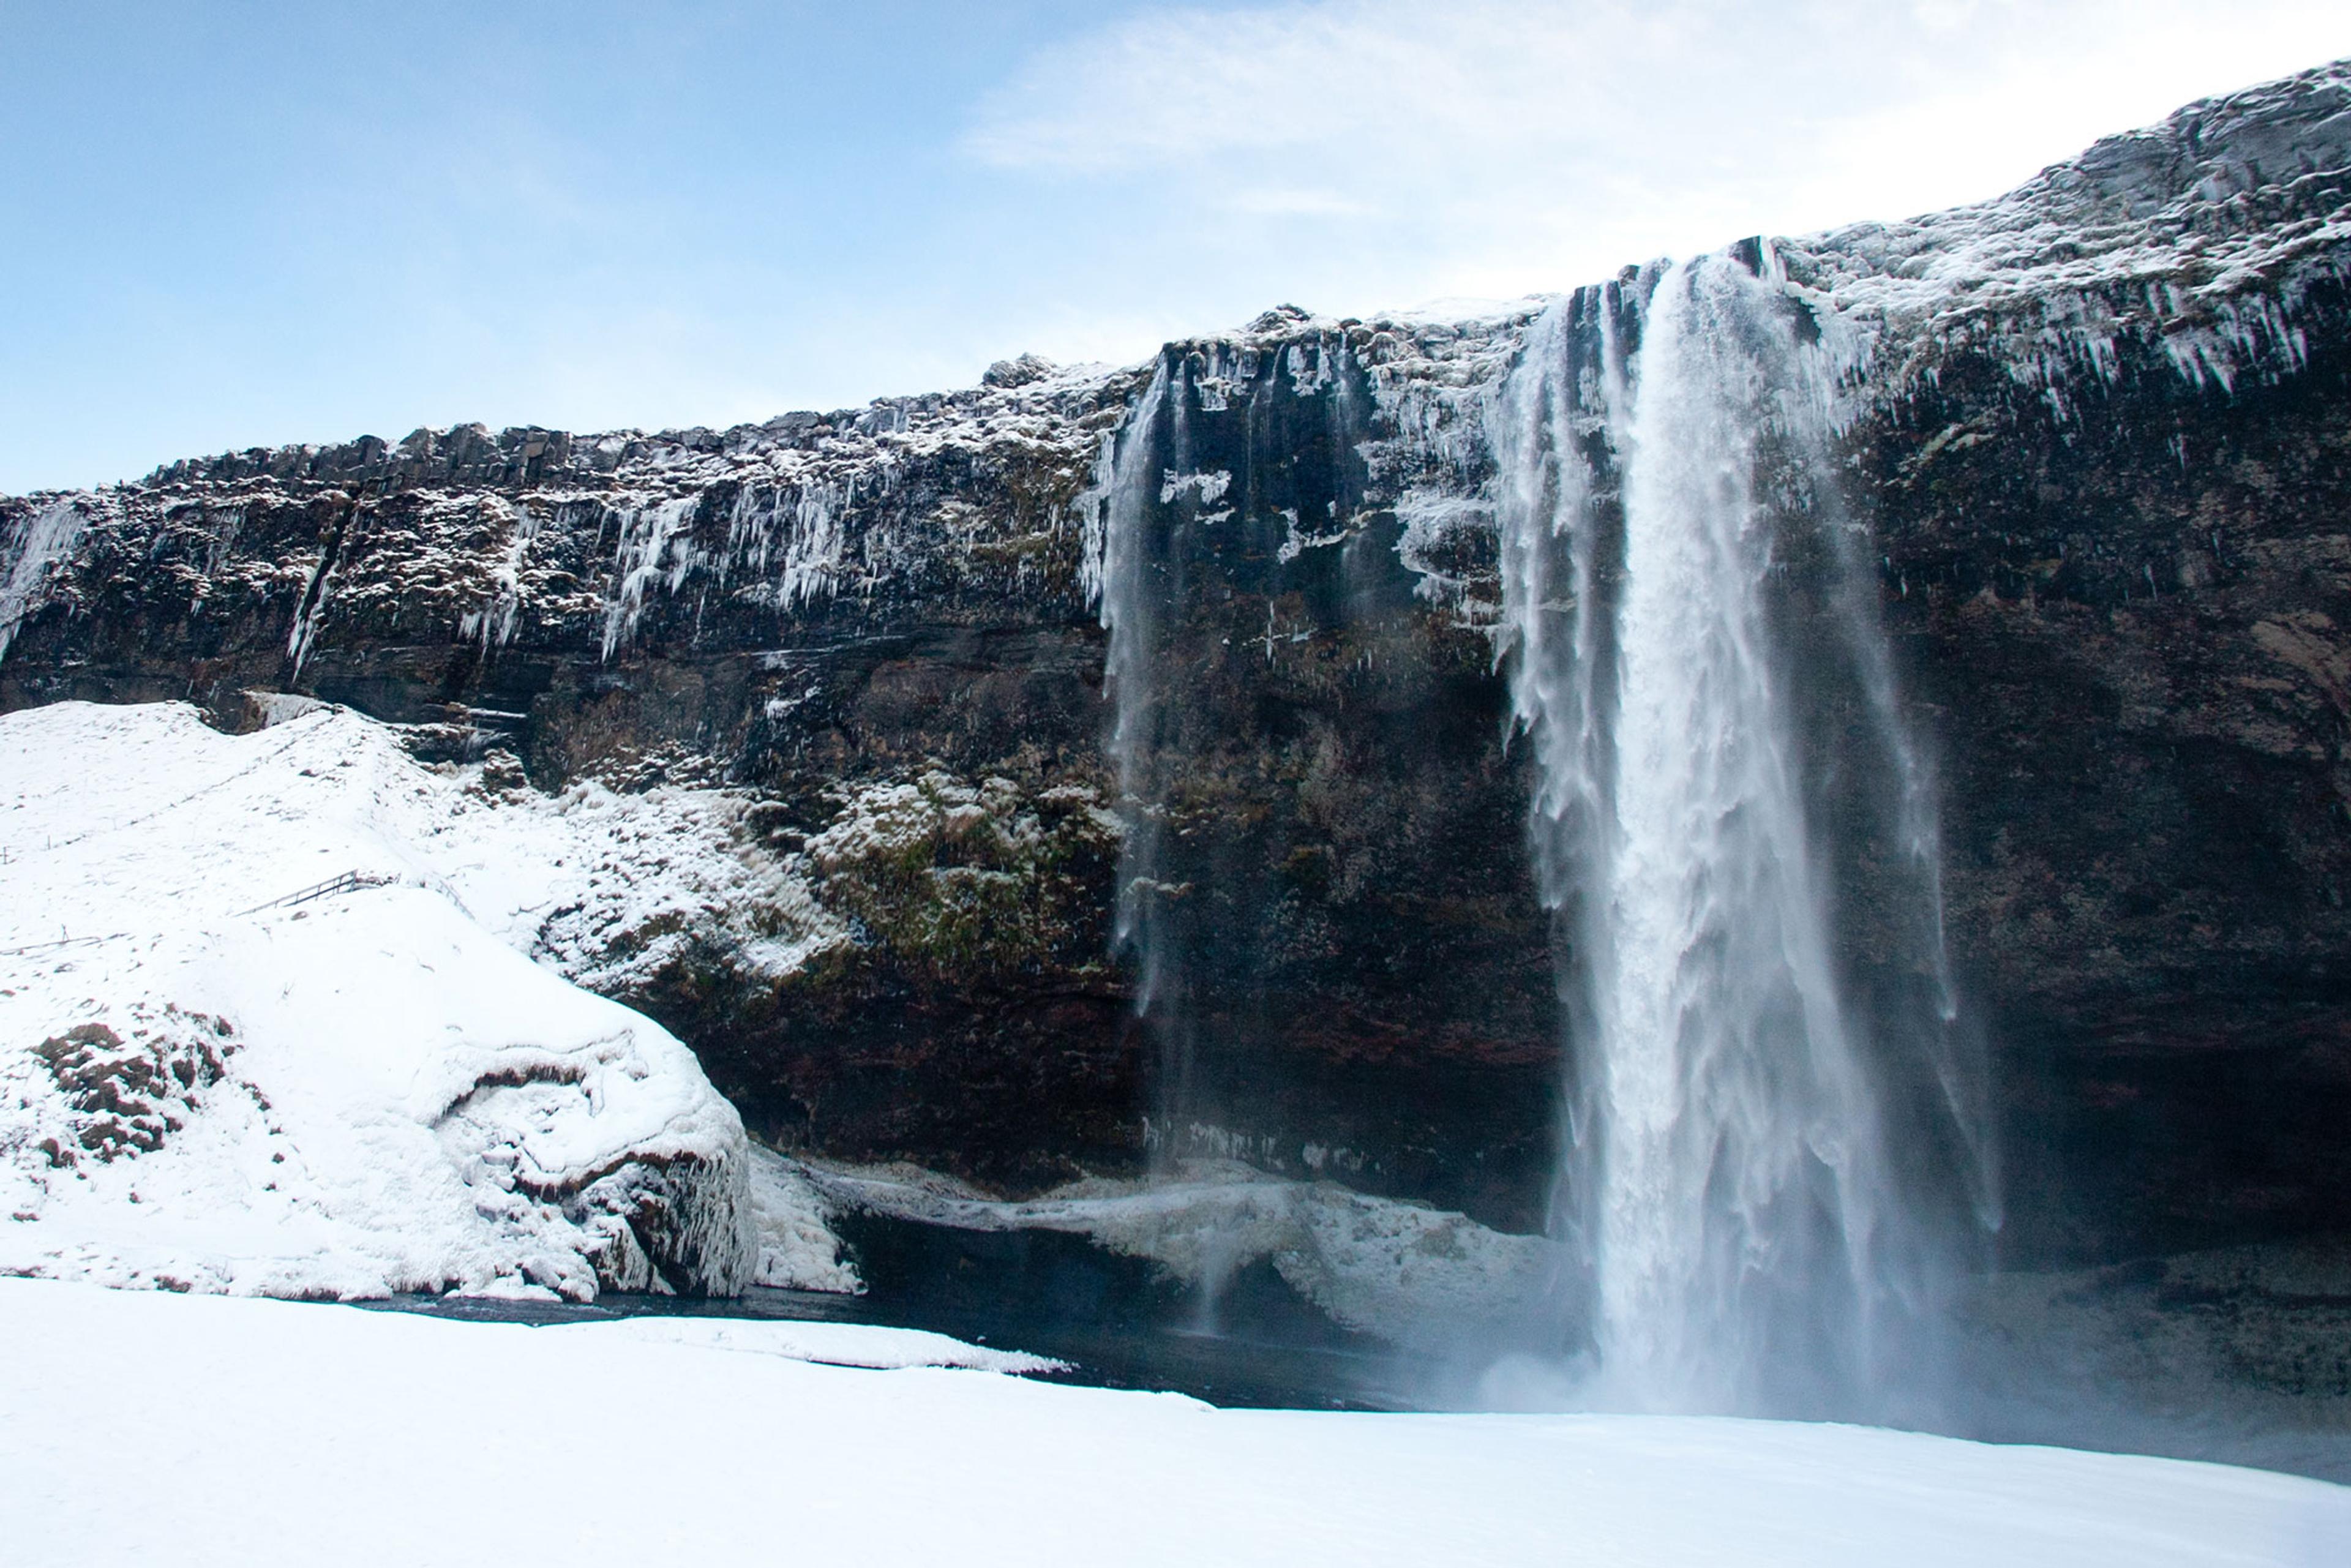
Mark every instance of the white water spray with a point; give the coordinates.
(1726, 1176)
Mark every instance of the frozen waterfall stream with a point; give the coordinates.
(1726, 1174)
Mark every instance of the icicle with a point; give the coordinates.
(42, 541)
(645, 536)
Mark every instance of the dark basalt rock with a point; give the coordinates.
(2100, 432)
(2131, 627)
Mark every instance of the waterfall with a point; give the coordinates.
(1134, 594)
(1228, 511)
(1669, 525)
(1142, 582)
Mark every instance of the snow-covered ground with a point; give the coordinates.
(149, 1428)
(375, 1090)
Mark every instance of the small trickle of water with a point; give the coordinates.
(1224, 518)
(1133, 601)
(1724, 1177)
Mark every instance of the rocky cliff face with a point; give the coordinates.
(2109, 490)
(2099, 432)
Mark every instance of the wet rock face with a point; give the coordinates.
(2132, 628)
(826, 614)
(807, 610)
(2099, 432)
(1343, 965)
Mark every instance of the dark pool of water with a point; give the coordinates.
(1120, 1323)
(1230, 1367)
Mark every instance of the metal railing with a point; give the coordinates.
(350, 881)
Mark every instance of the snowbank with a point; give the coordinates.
(827, 1344)
(265, 1432)
(370, 1089)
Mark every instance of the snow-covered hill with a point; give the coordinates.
(204, 1084)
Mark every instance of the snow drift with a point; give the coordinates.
(265, 1030)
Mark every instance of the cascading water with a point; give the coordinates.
(1130, 614)
(1139, 591)
(1227, 506)
(1697, 647)
(1726, 1177)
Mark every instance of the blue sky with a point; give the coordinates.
(240, 222)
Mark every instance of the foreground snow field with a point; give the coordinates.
(374, 1090)
(151, 1428)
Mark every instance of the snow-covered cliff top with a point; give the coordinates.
(2202, 233)
(2210, 247)
(2230, 196)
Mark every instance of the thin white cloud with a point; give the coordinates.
(1516, 144)
(1275, 202)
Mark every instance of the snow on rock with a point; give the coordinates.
(611, 888)
(205, 1085)
(957, 874)
(2200, 247)
(1414, 1275)
(797, 1250)
(2198, 238)
(773, 516)
(267, 1432)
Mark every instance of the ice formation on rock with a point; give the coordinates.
(1411, 1274)
(32, 549)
